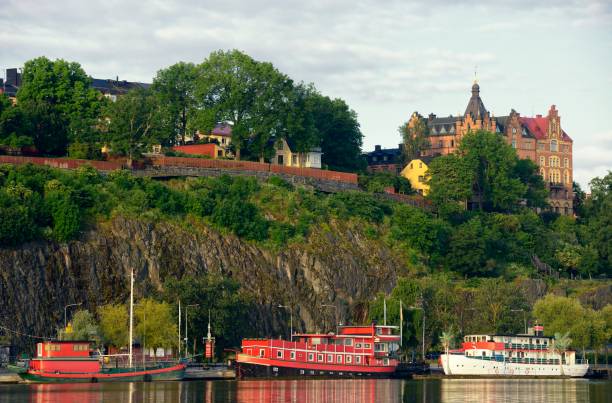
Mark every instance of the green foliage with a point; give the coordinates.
(219, 296)
(114, 324)
(379, 181)
(64, 211)
(137, 123)
(280, 182)
(84, 327)
(357, 204)
(155, 324)
(415, 139)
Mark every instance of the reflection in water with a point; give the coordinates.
(345, 390)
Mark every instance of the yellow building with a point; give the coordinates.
(416, 173)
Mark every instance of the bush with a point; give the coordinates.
(64, 213)
(357, 204)
(242, 218)
(280, 182)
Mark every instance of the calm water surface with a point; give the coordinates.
(323, 391)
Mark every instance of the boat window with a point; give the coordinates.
(320, 357)
(357, 345)
(262, 352)
(348, 342)
(367, 345)
(292, 355)
(386, 361)
(349, 359)
(339, 359)
(80, 347)
(310, 356)
(52, 347)
(330, 358)
(358, 359)
(279, 354)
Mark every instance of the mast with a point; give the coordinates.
(401, 323)
(385, 311)
(131, 315)
(179, 331)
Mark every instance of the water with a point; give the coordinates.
(323, 391)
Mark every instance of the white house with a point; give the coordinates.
(284, 155)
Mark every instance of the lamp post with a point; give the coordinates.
(66, 313)
(335, 314)
(524, 316)
(186, 339)
(290, 318)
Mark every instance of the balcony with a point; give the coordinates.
(556, 185)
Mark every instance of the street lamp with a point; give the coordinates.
(186, 339)
(524, 316)
(335, 314)
(291, 318)
(66, 312)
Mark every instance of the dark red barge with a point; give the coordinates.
(356, 351)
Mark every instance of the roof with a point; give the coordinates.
(222, 129)
(115, 87)
(475, 105)
(538, 127)
(292, 145)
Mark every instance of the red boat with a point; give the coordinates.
(73, 361)
(356, 351)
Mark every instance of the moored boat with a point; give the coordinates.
(73, 361)
(531, 355)
(355, 351)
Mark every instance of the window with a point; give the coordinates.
(339, 359)
(567, 178)
(367, 345)
(330, 358)
(374, 158)
(386, 361)
(514, 130)
(420, 165)
(358, 345)
(542, 161)
(279, 354)
(80, 347)
(566, 162)
(513, 143)
(358, 359)
(52, 347)
(220, 153)
(553, 146)
(440, 144)
(540, 146)
(384, 158)
(279, 146)
(262, 352)
(348, 342)
(349, 359)
(320, 357)
(292, 355)
(293, 159)
(310, 356)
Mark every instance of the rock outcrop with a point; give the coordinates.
(338, 264)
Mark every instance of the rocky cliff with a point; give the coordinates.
(336, 265)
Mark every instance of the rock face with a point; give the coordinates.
(337, 265)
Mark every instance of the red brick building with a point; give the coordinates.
(538, 138)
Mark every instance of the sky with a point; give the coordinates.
(385, 58)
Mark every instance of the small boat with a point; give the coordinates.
(73, 361)
(530, 355)
(355, 351)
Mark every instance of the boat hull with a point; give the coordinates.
(460, 365)
(173, 373)
(264, 368)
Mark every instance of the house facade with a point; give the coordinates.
(385, 159)
(285, 153)
(538, 138)
(416, 173)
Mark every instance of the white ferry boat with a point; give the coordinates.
(530, 354)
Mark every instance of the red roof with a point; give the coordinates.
(538, 126)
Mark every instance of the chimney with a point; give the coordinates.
(376, 148)
(538, 116)
(432, 116)
(13, 77)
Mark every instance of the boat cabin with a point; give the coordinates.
(371, 345)
(64, 356)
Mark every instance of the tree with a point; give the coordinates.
(562, 315)
(527, 172)
(84, 327)
(339, 131)
(221, 297)
(252, 95)
(415, 138)
(175, 87)
(156, 326)
(114, 324)
(450, 181)
(598, 221)
(136, 123)
(60, 102)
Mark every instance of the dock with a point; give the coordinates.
(7, 376)
(209, 372)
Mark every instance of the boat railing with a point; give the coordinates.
(582, 361)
